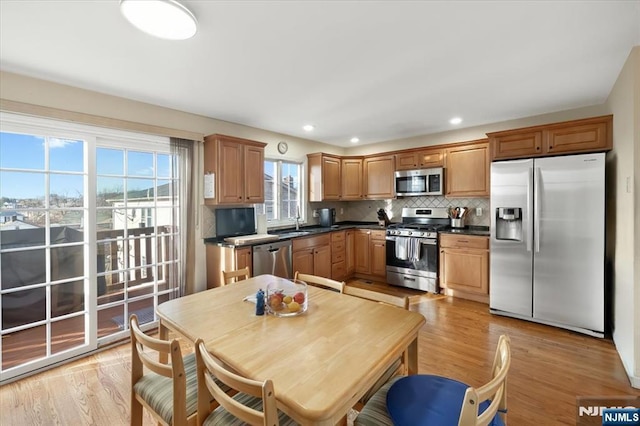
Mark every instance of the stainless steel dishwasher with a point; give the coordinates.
(272, 258)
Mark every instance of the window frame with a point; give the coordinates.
(261, 208)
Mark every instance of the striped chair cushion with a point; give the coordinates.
(375, 413)
(221, 417)
(157, 390)
(381, 381)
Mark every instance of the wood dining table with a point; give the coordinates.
(321, 362)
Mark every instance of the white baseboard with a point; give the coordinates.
(633, 379)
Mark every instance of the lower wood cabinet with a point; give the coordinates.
(312, 255)
(464, 266)
(338, 256)
(350, 252)
(370, 254)
(225, 259)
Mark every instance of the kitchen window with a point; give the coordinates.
(283, 195)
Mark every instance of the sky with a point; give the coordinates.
(26, 155)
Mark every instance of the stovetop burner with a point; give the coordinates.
(419, 226)
(421, 222)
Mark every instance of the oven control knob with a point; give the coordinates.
(409, 233)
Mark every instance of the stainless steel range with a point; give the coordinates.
(412, 248)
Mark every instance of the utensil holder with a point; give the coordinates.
(457, 223)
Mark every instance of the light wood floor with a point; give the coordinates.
(550, 368)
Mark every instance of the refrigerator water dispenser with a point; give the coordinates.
(509, 223)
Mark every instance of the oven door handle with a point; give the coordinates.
(430, 241)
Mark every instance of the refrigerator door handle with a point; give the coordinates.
(536, 203)
(527, 232)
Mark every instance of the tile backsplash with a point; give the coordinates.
(365, 211)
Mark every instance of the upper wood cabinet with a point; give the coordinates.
(467, 170)
(351, 178)
(379, 181)
(324, 177)
(569, 137)
(419, 159)
(238, 168)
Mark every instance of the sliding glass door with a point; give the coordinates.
(43, 247)
(89, 234)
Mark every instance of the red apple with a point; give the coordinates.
(299, 297)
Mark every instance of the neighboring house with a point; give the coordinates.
(15, 225)
(288, 204)
(11, 216)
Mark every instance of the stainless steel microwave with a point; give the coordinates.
(419, 182)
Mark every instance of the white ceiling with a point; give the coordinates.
(378, 70)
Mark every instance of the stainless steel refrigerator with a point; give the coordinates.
(548, 241)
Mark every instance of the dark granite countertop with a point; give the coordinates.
(482, 231)
(304, 231)
(309, 231)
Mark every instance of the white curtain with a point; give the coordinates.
(184, 162)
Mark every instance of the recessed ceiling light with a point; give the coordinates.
(166, 19)
(308, 128)
(455, 120)
(355, 140)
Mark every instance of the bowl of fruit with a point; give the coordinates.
(285, 298)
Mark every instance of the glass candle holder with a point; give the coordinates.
(286, 298)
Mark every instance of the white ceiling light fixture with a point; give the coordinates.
(455, 120)
(166, 19)
(308, 128)
(355, 140)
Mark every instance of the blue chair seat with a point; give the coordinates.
(429, 400)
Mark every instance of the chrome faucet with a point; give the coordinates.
(297, 218)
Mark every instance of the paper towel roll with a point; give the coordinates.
(261, 220)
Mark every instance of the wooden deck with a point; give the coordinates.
(550, 368)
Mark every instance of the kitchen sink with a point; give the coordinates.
(295, 234)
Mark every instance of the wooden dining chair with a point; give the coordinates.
(376, 296)
(429, 399)
(320, 281)
(168, 391)
(400, 365)
(254, 402)
(233, 276)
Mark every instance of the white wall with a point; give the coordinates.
(624, 213)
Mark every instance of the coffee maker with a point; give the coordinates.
(327, 217)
